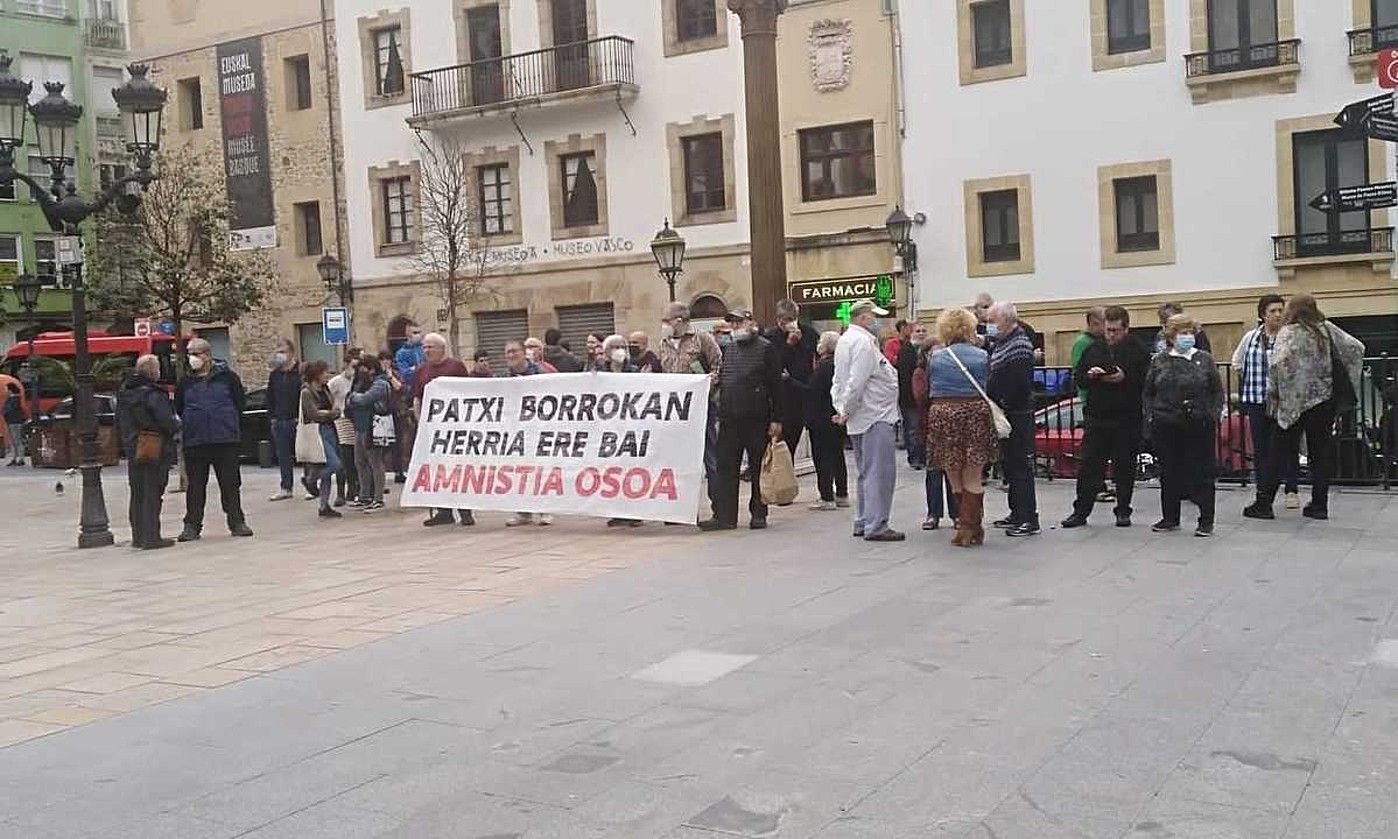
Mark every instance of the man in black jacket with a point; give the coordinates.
(554, 353)
(749, 405)
(1011, 384)
(144, 407)
(911, 336)
(210, 402)
(796, 343)
(283, 405)
(1113, 371)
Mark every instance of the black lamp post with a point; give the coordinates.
(668, 247)
(27, 288)
(900, 233)
(56, 120)
(332, 273)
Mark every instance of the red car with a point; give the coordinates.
(1058, 431)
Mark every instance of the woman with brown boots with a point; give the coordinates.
(960, 433)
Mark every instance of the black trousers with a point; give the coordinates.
(1318, 426)
(736, 437)
(347, 481)
(1187, 455)
(1017, 454)
(828, 452)
(1119, 443)
(147, 482)
(223, 459)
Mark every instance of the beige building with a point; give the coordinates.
(181, 39)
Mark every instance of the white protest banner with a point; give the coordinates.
(596, 444)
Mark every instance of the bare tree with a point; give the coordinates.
(452, 253)
(171, 258)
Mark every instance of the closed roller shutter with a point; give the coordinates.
(575, 322)
(493, 329)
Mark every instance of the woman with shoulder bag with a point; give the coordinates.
(318, 415)
(961, 432)
(1313, 375)
(1183, 400)
(147, 423)
(369, 410)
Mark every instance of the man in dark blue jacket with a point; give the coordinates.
(283, 407)
(210, 403)
(1011, 385)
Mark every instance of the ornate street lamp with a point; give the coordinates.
(668, 247)
(900, 233)
(332, 274)
(27, 288)
(56, 121)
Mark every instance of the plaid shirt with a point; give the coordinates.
(1256, 354)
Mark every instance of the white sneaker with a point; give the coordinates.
(544, 520)
(1293, 501)
(822, 506)
(519, 519)
(280, 495)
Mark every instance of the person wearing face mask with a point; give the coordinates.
(1183, 400)
(645, 360)
(797, 344)
(283, 403)
(1168, 310)
(615, 356)
(685, 350)
(534, 349)
(749, 408)
(517, 363)
(210, 403)
(864, 393)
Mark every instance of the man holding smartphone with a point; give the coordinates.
(1113, 371)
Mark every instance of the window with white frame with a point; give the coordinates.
(398, 210)
(47, 8)
(388, 61)
(45, 260)
(10, 262)
(45, 68)
(496, 199)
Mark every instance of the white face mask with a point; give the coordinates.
(532, 353)
(196, 362)
(619, 356)
(667, 331)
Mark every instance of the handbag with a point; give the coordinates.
(1342, 394)
(149, 446)
(310, 448)
(383, 435)
(778, 480)
(997, 414)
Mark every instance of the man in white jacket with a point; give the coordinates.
(865, 395)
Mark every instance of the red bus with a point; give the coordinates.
(60, 346)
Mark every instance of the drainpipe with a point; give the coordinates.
(330, 104)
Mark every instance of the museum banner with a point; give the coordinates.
(626, 445)
(242, 100)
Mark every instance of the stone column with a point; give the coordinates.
(765, 205)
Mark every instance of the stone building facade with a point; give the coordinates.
(180, 39)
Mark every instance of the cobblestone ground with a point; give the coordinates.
(371, 678)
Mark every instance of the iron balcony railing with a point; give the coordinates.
(1365, 438)
(1370, 41)
(1370, 240)
(105, 33)
(1212, 62)
(602, 62)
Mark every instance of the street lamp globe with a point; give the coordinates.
(668, 247)
(142, 107)
(900, 229)
(14, 105)
(27, 288)
(329, 269)
(56, 118)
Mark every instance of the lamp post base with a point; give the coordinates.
(94, 529)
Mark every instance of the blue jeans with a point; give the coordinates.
(913, 443)
(876, 458)
(284, 444)
(934, 483)
(332, 465)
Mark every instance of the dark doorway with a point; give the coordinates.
(570, 44)
(483, 40)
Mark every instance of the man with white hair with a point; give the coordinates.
(1010, 383)
(210, 403)
(865, 397)
(437, 362)
(147, 425)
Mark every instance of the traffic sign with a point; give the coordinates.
(1357, 114)
(1388, 69)
(142, 327)
(334, 326)
(1353, 198)
(68, 250)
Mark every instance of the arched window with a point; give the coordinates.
(707, 307)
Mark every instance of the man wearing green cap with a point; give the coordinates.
(865, 396)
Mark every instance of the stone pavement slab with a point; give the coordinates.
(483, 683)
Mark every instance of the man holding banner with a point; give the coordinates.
(749, 413)
(437, 362)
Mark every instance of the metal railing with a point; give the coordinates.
(1212, 62)
(529, 75)
(1365, 439)
(105, 33)
(1370, 41)
(1370, 240)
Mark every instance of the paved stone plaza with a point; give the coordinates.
(372, 678)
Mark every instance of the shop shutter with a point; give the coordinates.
(493, 329)
(575, 322)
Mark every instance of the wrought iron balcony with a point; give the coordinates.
(106, 34)
(1339, 243)
(600, 65)
(1370, 41)
(1250, 57)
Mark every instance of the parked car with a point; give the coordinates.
(254, 425)
(1058, 432)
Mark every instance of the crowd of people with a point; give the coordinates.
(959, 397)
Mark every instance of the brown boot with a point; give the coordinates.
(962, 537)
(957, 505)
(973, 514)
